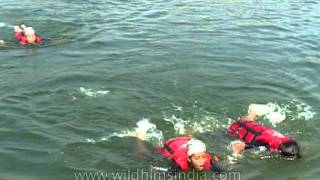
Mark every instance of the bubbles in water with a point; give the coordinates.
(92, 93)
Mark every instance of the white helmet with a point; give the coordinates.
(29, 31)
(195, 146)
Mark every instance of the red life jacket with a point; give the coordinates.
(251, 132)
(23, 39)
(176, 149)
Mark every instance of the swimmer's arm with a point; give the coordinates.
(259, 146)
(241, 146)
(23, 27)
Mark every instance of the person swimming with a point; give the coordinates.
(254, 135)
(188, 153)
(26, 35)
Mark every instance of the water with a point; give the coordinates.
(111, 64)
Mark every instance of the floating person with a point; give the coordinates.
(26, 35)
(254, 135)
(187, 154)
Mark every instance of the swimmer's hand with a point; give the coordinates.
(238, 147)
(1, 42)
(23, 27)
(17, 29)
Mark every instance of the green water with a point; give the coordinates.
(109, 64)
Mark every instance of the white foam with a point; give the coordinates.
(273, 112)
(177, 108)
(91, 141)
(178, 124)
(92, 93)
(145, 131)
(206, 124)
(276, 113)
(305, 111)
(201, 125)
(2, 24)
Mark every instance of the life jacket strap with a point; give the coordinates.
(166, 146)
(250, 130)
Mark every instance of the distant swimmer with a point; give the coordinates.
(254, 135)
(189, 153)
(26, 35)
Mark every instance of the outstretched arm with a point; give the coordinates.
(240, 146)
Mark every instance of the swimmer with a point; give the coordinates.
(26, 35)
(187, 154)
(254, 135)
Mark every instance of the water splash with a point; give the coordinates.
(177, 108)
(305, 111)
(145, 131)
(292, 110)
(201, 124)
(272, 112)
(92, 93)
(179, 124)
(2, 24)
(233, 158)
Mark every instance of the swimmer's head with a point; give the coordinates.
(29, 31)
(290, 149)
(30, 34)
(197, 154)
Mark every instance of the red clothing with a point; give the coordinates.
(23, 39)
(252, 132)
(176, 149)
